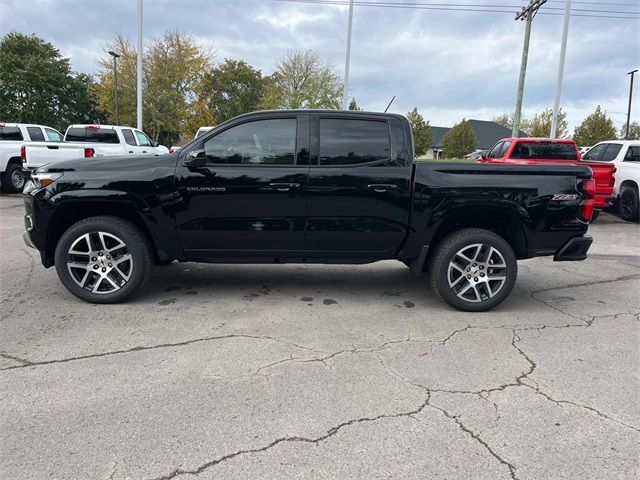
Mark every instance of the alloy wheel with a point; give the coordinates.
(477, 272)
(17, 179)
(99, 262)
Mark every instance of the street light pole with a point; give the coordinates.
(563, 53)
(115, 81)
(632, 73)
(526, 14)
(345, 91)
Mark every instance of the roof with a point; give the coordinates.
(487, 133)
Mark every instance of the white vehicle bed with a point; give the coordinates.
(625, 154)
(12, 137)
(92, 141)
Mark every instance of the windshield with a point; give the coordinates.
(545, 150)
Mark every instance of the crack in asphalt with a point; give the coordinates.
(14, 358)
(28, 363)
(633, 276)
(330, 433)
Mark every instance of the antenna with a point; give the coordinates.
(385, 110)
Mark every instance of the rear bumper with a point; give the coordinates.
(603, 201)
(575, 249)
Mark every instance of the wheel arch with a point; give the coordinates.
(501, 221)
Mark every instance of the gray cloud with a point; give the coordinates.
(448, 64)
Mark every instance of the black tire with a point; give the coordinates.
(493, 260)
(127, 267)
(628, 205)
(595, 215)
(13, 179)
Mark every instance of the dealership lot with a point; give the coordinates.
(304, 371)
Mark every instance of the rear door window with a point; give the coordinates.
(92, 135)
(128, 137)
(10, 133)
(611, 152)
(53, 135)
(349, 141)
(35, 134)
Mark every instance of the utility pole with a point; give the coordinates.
(632, 73)
(139, 70)
(345, 91)
(115, 81)
(563, 53)
(526, 14)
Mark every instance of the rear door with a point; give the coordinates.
(248, 199)
(358, 194)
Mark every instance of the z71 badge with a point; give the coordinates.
(559, 197)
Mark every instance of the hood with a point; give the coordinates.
(119, 164)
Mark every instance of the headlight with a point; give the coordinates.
(41, 180)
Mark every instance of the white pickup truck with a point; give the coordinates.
(625, 155)
(12, 137)
(91, 141)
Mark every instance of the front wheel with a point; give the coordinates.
(473, 269)
(628, 204)
(103, 259)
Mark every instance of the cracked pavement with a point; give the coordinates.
(345, 372)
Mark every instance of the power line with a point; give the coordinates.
(479, 8)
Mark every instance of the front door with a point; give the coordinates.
(248, 199)
(359, 186)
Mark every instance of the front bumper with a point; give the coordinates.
(575, 249)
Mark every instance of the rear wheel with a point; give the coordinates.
(13, 179)
(473, 269)
(628, 203)
(103, 259)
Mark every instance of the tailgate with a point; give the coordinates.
(41, 153)
(603, 175)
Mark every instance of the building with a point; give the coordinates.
(487, 134)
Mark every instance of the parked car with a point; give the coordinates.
(551, 151)
(476, 154)
(625, 155)
(92, 141)
(305, 186)
(199, 132)
(12, 136)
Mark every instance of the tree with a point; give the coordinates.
(303, 80)
(595, 128)
(634, 131)
(173, 69)
(459, 141)
(353, 105)
(38, 86)
(540, 124)
(232, 88)
(507, 120)
(421, 132)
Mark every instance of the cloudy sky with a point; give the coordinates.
(450, 64)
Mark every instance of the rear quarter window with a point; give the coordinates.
(10, 133)
(35, 134)
(92, 135)
(351, 141)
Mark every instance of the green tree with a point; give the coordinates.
(634, 131)
(459, 141)
(353, 105)
(597, 127)
(173, 69)
(421, 132)
(302, 79)
(38, 86)
(540, 124)
(507, 120)
(232, 88)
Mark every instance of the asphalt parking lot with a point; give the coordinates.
(346, 372)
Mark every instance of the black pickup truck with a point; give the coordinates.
(305, 186)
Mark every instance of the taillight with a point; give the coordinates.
(588, 187)
(23, 153)
(612, 179)
(89, 152)
(171, 150)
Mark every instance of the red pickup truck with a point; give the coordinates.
(536, 151)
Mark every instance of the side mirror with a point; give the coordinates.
(155, 144)
(195, 159)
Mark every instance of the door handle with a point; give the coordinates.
(382, 187)
(144, 151)
(130, 151)
(284, 187)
